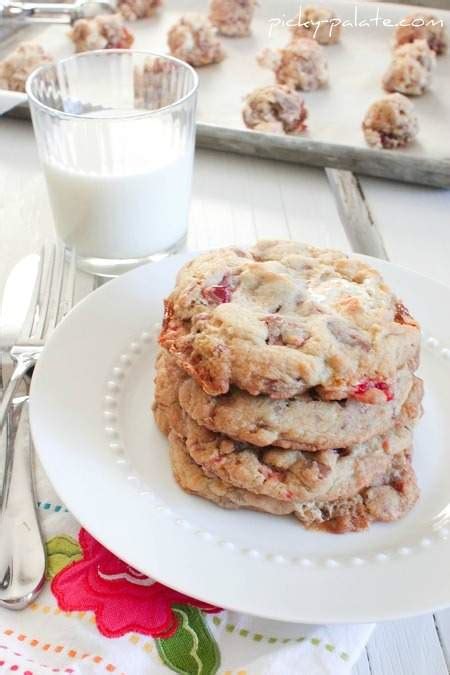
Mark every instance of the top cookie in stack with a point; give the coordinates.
(288, 376)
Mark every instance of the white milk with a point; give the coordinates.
(129, 195)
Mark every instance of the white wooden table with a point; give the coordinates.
(235, 200)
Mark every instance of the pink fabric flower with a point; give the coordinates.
(123, 599)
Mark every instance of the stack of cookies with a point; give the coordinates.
(286, 384)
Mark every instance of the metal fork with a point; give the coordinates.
(22, 553)
(51, 300)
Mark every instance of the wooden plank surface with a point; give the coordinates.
(414, 224)
(409, 647)
(363, 665)
(442, 624)
(358, 223)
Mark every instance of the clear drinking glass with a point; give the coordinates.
(115, 131)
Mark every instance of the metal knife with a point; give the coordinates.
(16, 298)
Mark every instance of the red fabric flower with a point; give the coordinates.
(123, 599)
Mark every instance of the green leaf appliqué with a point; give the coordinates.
(192, 650)
(61, 551)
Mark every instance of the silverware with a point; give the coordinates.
(53, 12)
(16, 298)
(53, 297)
(22, 553)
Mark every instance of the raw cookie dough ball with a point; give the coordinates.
(102, 32)
(406, 76)
(418, 50)
(138, 9)
(17, 66)
(275, 109)
(232, 17)
(390, 122)
(318, 23)
(194, 40)
(300, 65)
(421, 26)
(154, 84)
(410, 70)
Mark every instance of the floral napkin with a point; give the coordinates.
(97, 615)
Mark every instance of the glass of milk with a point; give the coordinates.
(115, 131)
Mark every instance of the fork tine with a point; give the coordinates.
(56, 290)
(28, 323)
(45, 295)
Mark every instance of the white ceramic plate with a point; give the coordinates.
(93, 429)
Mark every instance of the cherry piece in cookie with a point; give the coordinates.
(371, 391)
(219, 294)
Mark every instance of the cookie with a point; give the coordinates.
(317, 23)
(232, 17)
(284, 317)
(301, 423)
(406, 76)
(19, 64)
(275, 109)
(411, 69)
(418, 50)
(132, 10)
(388, 501)
(286, 475)
(194, 39)
(301, 65)
(423, 26)
(391, 122)
(101, 32)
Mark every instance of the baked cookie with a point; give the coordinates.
(102, 32)
(138, 9)
(299, 423)
(17, 66)
(284, 317)
(286, 475)
(301, 65)
(232, 17)
(390, 122)
(194, 39)
(423, 26)
(387, 501)
(276, 108)
(318, 23)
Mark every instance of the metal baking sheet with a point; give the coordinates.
(334, 137)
